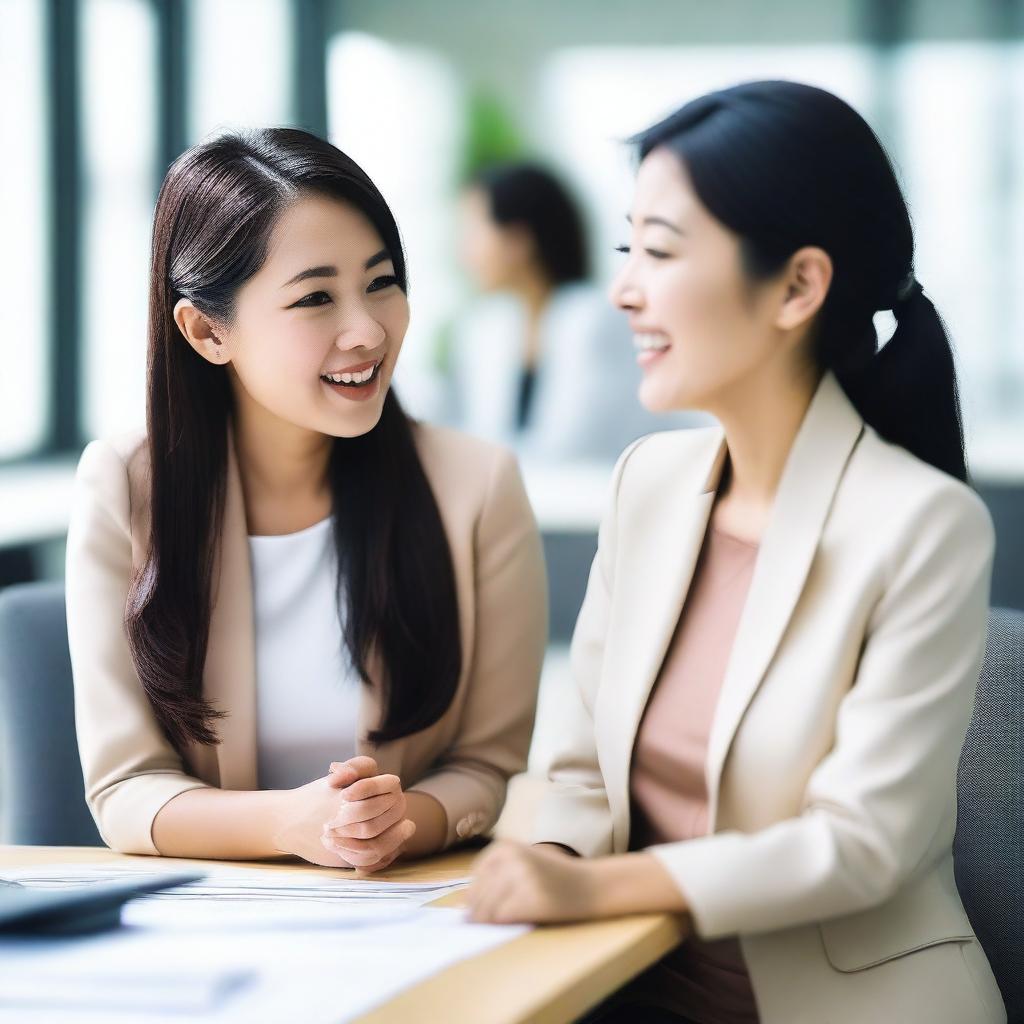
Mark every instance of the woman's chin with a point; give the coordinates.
(657, 399)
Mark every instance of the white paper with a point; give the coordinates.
(257, 976)
(241, 893)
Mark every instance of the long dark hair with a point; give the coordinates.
(214, 215)
(785, 165)
(532, 197)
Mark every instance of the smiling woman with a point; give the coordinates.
(777, 654)
(288, 589)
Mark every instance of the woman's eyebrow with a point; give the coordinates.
(658, 220)
(381, 257)
(327, 271)
(305, 275)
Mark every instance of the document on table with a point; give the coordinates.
(236, 897)
(239, 945)
(160, 976)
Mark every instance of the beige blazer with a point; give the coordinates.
(831, 765)
(464, 760)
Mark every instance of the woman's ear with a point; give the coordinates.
(520, 245)
(808, 277)
(199, 332)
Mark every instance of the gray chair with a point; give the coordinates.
(988, 850)
(42, 798)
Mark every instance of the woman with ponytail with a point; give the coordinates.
(776, 658)
(300, 623)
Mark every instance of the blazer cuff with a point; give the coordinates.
(577, 818)
(469, 804)
(125, 813)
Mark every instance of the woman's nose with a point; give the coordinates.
(360, 332)
(623, 293)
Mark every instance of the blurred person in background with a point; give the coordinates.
(300, 622)
(540, 360)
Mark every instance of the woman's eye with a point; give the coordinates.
(313, 299)
(654, 253)
(380, 283)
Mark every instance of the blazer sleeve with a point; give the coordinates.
(130, 768)
(510, 637)
(875, 805)
(574, 809)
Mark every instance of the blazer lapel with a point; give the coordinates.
(827, 436)
(666, 539)
(229, 676)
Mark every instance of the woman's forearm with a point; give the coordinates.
(634, 883)
(431, 825)
(220, 824)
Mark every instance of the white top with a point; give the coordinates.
(307, 692)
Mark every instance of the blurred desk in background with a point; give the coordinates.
(568, 499)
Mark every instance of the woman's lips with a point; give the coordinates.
(361, 392)
(650, 346)
(648, 357)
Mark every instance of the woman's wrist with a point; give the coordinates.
(431, 820)
(632, 883)
(222, 824)
(279, 816)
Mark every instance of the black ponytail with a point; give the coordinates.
(913, 373)
(785, 165)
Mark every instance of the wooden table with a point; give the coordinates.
(549, 976)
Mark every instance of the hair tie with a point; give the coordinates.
(908, 290)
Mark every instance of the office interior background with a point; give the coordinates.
(99, 96)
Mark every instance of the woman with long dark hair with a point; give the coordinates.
(777, 655)
(299, 622)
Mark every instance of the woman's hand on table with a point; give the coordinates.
(301, 813)
(369, 826)
(545, 884)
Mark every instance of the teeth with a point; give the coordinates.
(360, 377)
(648, 342)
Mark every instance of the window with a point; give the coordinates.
(239, 72)
(24, 267)
(119, 168)
(597, 97)
(397, 112)
(959, 108)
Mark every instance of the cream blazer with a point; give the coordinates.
(464, 760)
(831, 764)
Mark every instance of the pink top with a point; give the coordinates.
(704, 981)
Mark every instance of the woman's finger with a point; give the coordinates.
(364, 810)
(370, 828)
(381, 865)
(491, 892)
(363, 765)
(344, 773)
(362, 852)
(364, 789)
(508, 908)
